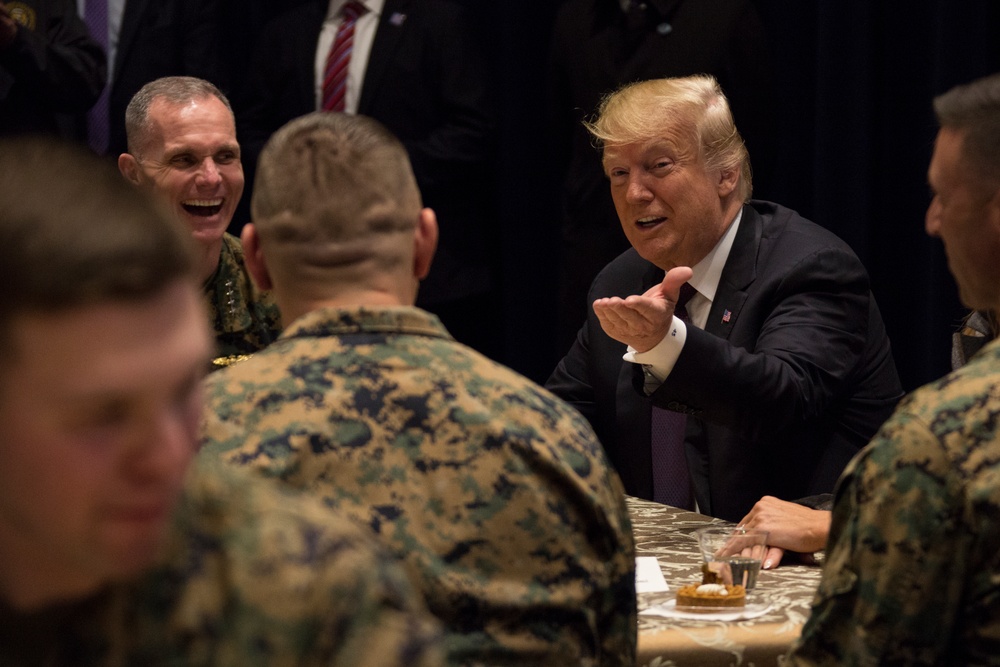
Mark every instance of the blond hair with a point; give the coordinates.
(694, 106)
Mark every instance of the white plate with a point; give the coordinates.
(757, 606)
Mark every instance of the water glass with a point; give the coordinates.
(737, 551)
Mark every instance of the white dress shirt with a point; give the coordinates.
(364, 36)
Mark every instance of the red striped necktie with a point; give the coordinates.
(335, 76)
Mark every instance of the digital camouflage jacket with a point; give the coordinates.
(243, 318)
(495, 494)
(912, 574)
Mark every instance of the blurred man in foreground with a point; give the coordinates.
(111, 551)
(182, 146)
(495, 494)
(911, 573)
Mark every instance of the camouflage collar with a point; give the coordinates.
(227, 291)
(366, 319)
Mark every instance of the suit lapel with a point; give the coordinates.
(739, 272)
(391, 25)
(131, 19)
(305, 50)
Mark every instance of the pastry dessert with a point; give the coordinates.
(712, 596)
(712, 593)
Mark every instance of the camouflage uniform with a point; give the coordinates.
(244, 319)
(496, 494)
(912, 574)
(251, 577)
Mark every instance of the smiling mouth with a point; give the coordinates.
(204, 208)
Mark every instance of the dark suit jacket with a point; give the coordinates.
(426, 81)
(790, 378)
(163, 38)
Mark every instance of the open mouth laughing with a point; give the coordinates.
(204, 208)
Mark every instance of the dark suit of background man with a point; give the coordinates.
(786, 371)
(150, 39)
(51, 71)
(599, 45)
(423, 77)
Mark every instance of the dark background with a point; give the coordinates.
(855, 79)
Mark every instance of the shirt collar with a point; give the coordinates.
(708, 272)
(336, 321)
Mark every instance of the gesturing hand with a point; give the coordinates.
(642, 320)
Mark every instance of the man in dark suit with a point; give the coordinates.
(158, 39)
(784, 370)
(417, 68)
(600, 45)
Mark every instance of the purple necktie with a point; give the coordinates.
(96, 16)
(671, 479)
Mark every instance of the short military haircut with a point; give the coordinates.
(330, 179)
(974, 108)
(173, 89)
(694, 106)
(73, 232)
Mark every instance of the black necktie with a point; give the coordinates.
(671, 479)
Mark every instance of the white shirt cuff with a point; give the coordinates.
(659, 361)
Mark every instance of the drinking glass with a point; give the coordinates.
(737, 551)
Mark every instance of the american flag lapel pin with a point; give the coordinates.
(397, 19)
(727, 315)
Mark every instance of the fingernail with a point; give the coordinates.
(767, 564)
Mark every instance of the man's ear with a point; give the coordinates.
(254, 258)
(425, 238)
(728, 180)
(129, 167)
